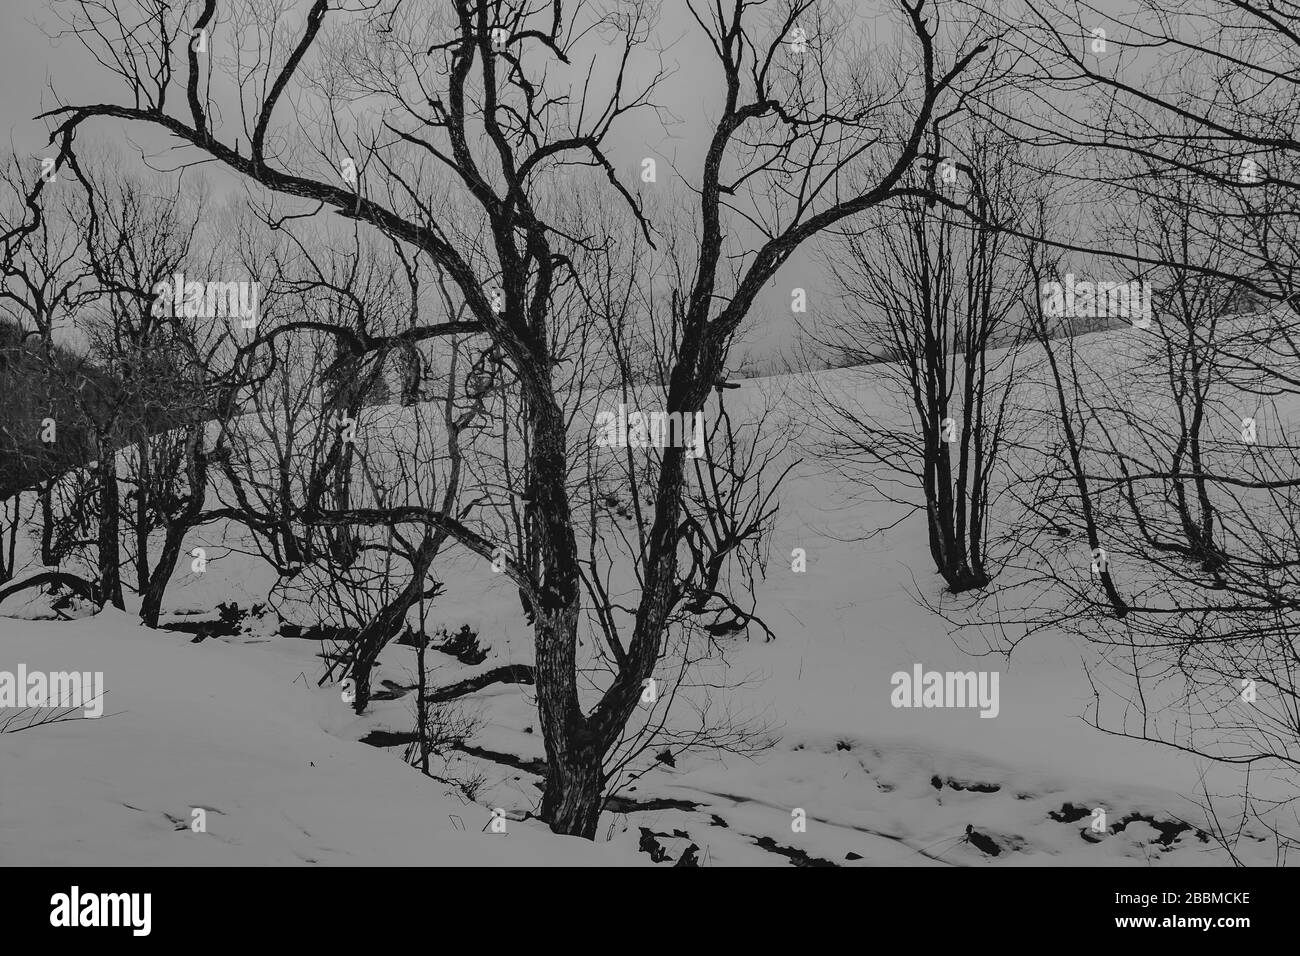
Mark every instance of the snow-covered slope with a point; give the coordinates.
(237, 725)
(220, 727)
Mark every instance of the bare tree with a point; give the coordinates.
(46, 279)
(139, 235)
(1163, 528)
(466, 101)
(933, 298)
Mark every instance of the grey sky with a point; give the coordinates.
(31, 62)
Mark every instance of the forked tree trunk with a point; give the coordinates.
(151, 606)
(574, 792)
(953, 521)
(388, 623)
(197, 476)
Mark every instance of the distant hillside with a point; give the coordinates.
(37, 386)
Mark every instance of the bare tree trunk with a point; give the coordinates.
(197, 476)
(1072, 445)
(151, 606)
(142, 518)
(574, 791)
(571, 799)
(411, 367)
(7, 548)
(47, 525)
(421, 698)
(110, 557)
(386, 625)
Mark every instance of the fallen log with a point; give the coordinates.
(509, 674)
(78, 585)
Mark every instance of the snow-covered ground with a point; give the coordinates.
(238, 726)
(220, 727)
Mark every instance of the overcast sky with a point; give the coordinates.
(31, 62)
